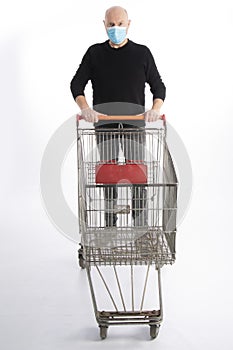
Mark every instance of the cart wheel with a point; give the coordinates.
(81, 259)
(82, 263)
(103, 332)
(154, 331)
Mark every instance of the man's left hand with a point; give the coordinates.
(152, 115)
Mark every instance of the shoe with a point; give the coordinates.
(110, 220)
(140, 221)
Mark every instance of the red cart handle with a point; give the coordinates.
(163, 117)
(121, 117)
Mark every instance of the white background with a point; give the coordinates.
(45, 300)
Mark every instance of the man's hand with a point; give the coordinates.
(152, 115)
(89, 115)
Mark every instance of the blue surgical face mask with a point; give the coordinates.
(116, 34)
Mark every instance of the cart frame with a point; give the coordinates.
(154, 243)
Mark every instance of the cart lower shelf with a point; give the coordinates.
(151, 318)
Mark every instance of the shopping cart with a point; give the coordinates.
(127, 202)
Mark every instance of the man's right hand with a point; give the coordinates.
(89, 115)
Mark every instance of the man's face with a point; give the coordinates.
(116, 17)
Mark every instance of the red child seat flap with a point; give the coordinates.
(121, 173)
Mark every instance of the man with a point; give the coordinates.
(118, 69)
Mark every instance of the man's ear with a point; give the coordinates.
(129, 21)
(104, 25)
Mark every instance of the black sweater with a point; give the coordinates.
(118, 75)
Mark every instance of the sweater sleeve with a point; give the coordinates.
(82, 76)
(153, 78)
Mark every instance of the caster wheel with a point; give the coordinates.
(82, 263)
(103, 332)
(81, 259)
(154, 331)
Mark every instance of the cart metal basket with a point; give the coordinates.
(127, 201)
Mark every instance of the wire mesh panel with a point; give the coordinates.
(127, 196)
(153, 247)
(122, 147)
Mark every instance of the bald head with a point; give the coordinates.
(116, 10)
(116, 16)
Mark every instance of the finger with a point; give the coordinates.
(95, 117)
(147, 116)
